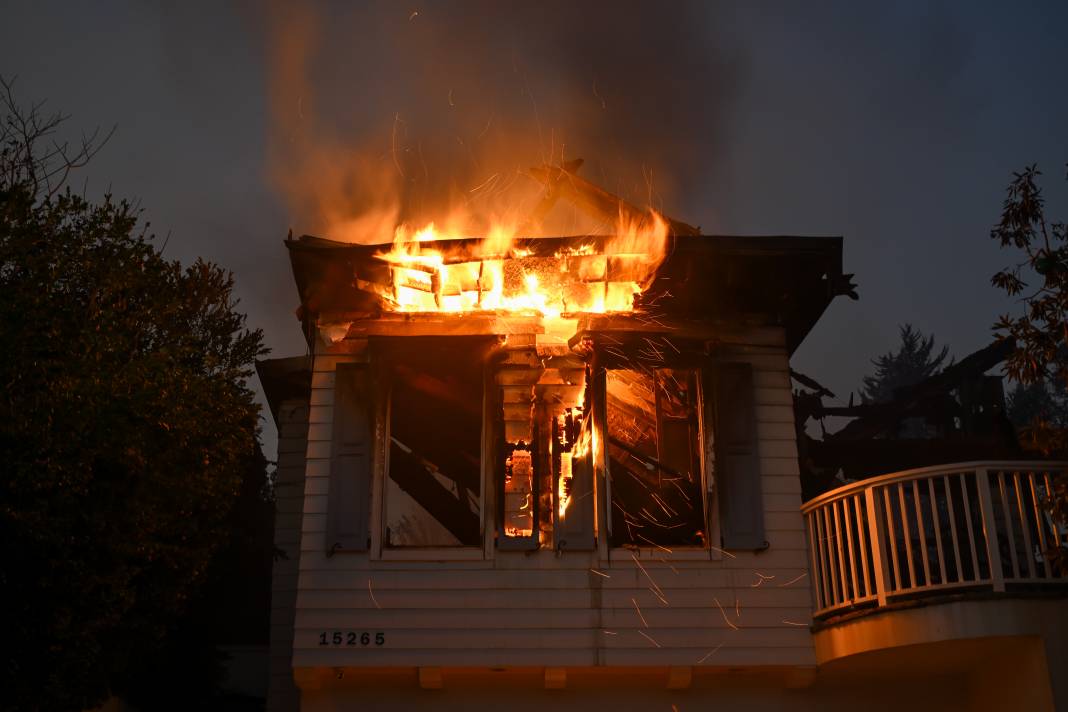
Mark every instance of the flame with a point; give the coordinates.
(563, 487)
(587, 442)
(496, 275)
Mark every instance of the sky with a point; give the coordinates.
(894, 125)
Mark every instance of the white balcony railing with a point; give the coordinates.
(975, 526)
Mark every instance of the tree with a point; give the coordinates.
(232, 607)
(125, 424)
(910, 364)
(1040, 279)
(1042, 401)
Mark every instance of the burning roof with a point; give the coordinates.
(651, 267)
(786, 281)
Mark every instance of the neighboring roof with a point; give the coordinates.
(284, 378)
(781, 280)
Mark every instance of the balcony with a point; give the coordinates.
(975, 527)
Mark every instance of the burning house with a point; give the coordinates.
(517, 472)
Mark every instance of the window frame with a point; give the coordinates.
(382, 385)
(706, 456)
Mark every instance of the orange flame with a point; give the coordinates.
(498, 276)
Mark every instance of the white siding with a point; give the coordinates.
(282, 693)
(518, 609)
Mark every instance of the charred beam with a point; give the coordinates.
(926, 397)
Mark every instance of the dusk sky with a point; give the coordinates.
(896, 126)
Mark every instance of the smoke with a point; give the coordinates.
(383, 114)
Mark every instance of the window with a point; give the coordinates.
(540, 403)
(433, 484)
(444, 420)
(654, 458)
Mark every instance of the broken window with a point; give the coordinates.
(433, 485)
(540, 405)
(520, 503)
(654, 458)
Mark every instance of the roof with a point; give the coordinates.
(780, 280)
(284, 378)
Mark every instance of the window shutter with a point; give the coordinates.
(349, 502)
(737, 470)
(575, 532)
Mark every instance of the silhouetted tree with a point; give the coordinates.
(232, 607)
(1040, 278)
(1044, 402)
(125, 425)
(914, 360)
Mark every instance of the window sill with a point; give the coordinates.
(418, 554)
(652, 553)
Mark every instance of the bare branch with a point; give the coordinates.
(24, 157)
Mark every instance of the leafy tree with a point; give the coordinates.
(1040, 280)
(125, 423)
(1042, 401)
(914, 361)
(232, 607)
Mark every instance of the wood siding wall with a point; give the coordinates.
(282, 692)
(540, 609)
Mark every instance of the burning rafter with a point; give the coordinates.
(428, 272)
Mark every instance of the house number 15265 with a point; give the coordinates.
(349, 637)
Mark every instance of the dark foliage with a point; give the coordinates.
(232, 607)
(1037, 401)
(914, 361)
(1040, 280)
(125, 425)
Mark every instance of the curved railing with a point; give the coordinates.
(968, 526)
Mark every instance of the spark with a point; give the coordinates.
(802, 625)
(645, 513)
(650, 541)
(662, 599)
(426, 173)
(651, 580)
(642, 633)
(450, 98)
(415, 14)
(639, 610)
(486, 128)
(600, 573)
(658, 353)
(725, 618)
(663, 505)
(604, 105)
(793, 580)
(680, 489)
(396, 120)
(371, 591)
(609, 632)
(737, 607)
(668, 564)
(723, 551)
(760, 580)
(710, 653)
(483, 184)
